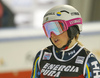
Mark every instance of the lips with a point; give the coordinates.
(56, 40)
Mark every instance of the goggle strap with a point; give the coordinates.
(74, 22)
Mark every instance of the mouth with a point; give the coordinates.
(56, 40)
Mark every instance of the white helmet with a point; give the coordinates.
(62, 12)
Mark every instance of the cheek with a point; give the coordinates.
(65, 38)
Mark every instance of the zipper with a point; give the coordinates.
(63, 53)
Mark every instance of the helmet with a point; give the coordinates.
(63, 12)
(68, 14)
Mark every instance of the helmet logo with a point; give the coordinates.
(74, 13)
(58, 13)
(51, 13)
(47, 18)
(64, 11)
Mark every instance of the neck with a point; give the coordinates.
(72, 43)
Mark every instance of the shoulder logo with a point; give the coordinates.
(47, 56)
(79, 59)
(71, 53)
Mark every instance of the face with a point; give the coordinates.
(60, 40)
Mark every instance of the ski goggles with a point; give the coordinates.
(59, 26)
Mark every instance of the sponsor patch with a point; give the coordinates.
(47, 56)
(79, 59)
(54, 70)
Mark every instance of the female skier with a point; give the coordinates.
(66, 57)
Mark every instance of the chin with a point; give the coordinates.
(59, 46)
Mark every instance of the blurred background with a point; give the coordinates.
(21, 34)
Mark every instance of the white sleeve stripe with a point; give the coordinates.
(40, 58)
(86, 63)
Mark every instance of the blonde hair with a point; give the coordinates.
(76, 38)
